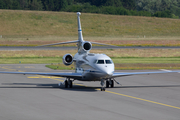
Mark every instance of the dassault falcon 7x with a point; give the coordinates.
(88, 66)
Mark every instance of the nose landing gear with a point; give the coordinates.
(102, 85)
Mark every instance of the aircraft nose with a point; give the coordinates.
(108, 72)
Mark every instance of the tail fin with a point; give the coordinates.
(82, 45)
(80, 37)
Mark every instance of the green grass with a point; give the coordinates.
(19, 23)
(117, 60)
(120, 63)
(147, 60)
(30, 60)
(30, 28)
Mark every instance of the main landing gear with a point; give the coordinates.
(109, 83)
(68, 82)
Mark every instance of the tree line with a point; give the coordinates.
(157, 8)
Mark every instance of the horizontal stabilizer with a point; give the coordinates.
(59, 43)
(75, 42)
(103, 44)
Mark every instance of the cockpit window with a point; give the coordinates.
(100, 62)
(108, 61)
(95, 61)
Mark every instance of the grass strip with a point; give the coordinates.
(134, 64)
(123, 63)
(30, 60)
(126, 66)
(45, 23)
(116, 60)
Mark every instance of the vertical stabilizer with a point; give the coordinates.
(80, 37)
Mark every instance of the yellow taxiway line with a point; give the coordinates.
(107, 91)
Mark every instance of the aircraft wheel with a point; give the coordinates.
(66, 84)
(112, 83)
(103, 89)
(107, 84)
(70, 84)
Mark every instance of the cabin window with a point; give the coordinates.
(100, 62)
(108, 61)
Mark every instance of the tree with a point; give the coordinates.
(63, 4)
(35, 5)
(8, 4)
(23, 4)
(70, 2)
(2, 4)
(16, 5)
(50, 5)
(157, 5)
(115, 3)
(129, 4)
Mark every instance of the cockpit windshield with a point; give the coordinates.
(108, 61)
(103, 62)
(100, 62)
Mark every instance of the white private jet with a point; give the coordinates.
(88, 66)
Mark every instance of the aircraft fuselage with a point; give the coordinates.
(94, 67)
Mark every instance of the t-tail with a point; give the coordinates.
(80, 37)
(83, 46)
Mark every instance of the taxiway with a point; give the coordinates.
(141, 97)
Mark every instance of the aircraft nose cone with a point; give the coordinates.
(108, 72)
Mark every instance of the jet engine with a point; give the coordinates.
(67, 59)
(86, 46)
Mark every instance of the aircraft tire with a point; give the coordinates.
(70, 84)
(66, 84)
(107, 84)
(103, 89)
(112, 83)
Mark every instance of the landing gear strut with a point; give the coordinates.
(102, 85)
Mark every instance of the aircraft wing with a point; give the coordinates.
(140, 73)
(70, 75)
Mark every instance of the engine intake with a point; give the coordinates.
(67, 59)
(87, 46)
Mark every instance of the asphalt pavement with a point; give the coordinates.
(35, 97)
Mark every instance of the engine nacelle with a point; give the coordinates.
(86, 46)
(67, 59)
